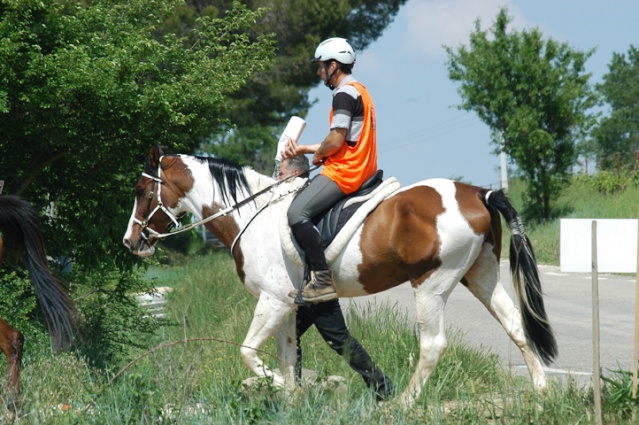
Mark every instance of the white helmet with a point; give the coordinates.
(335, 48)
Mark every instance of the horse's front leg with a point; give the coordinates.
(287, 348)
(269, 314)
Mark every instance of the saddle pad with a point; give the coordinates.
(293, 251)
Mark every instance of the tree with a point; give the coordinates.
(84, 92)
(87, 87)
(259, 111)
(617, 135)
(535, 94)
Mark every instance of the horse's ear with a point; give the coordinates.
(154, 155)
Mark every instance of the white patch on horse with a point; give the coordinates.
(453, 228)
(202, 195)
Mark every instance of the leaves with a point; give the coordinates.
(617, 135)
(535, 94)
(84, 92)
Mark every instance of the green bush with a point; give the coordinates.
(609, 182)
(18, 305)
(113, 322)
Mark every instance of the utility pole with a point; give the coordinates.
(503, 163)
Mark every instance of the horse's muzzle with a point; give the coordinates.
(142, 248)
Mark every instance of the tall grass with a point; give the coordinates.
(191, 372)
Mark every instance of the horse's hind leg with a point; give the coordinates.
(11, 342)
(432, 336)
(484, 283)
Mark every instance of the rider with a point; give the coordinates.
(348, 155)
(329, 319)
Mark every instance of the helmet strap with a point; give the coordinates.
(327, 83)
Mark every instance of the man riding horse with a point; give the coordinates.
(348, 155)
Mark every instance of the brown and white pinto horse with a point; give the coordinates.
(20, 235)
(432, 234)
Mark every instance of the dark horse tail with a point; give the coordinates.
(523, 268)
(20, 229)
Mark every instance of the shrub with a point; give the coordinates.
(609, 182)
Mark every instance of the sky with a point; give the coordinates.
(421, 133)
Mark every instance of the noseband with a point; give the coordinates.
(160, 206)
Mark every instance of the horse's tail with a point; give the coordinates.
(523, 268)
(20, 228)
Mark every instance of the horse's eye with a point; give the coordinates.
(139, 192)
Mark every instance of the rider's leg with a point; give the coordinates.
(317, 197)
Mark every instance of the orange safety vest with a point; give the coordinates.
(350, 166)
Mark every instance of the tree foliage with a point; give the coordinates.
(87, 87)
(617, 135)
(535, 94)
(259, 111)
(84, 92)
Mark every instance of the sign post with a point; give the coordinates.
(596, 378)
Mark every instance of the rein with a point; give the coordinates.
(179, 228)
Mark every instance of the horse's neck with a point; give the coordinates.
(257, 181)
(202, 201)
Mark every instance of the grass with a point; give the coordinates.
(200, 381)
(580, 200)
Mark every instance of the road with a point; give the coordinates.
(568, 299)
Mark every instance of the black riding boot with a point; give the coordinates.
(321, 286)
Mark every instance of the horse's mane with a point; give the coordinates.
(229, 177)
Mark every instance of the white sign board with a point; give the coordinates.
(616, 245)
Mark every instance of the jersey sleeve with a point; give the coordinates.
(343, 110)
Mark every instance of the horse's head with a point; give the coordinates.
(157, 205)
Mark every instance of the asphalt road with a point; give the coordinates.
(568, 300)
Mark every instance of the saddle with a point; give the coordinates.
(330, 223)
(338, 225)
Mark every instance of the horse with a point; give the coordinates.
(21, 236)
(433, 234)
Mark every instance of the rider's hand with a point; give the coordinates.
(290, 150)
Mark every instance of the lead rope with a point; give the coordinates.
(267, 204)
(219, 214)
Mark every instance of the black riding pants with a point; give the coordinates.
(329, 321)
(320, 194)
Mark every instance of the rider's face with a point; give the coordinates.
(284, 171)
(321, 70)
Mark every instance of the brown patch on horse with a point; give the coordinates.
(226, 229)
(177, 179)
(399, 240)
(473, 207)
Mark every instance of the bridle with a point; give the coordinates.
(146, 230)
(178, 228)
